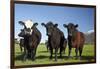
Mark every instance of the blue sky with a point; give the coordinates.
(84, 17)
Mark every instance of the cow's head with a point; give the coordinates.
(49, 27)
(71, 28)
(28, 28)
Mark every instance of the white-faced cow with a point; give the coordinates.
(76, 39)
(32, 37)
(55, 38)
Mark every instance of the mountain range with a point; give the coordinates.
(89, 37)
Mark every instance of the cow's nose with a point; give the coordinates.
(29, 30)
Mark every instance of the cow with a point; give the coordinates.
(55, 38)
(32, 38)
(76, 39)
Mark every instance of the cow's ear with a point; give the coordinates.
(55, 25)
(76, 25)
(65, 25)
(35, 24)
(21, 23)
(43, 24)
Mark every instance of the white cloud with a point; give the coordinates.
(90, 31)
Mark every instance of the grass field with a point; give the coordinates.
(42, 56)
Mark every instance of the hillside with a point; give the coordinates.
(89, 38)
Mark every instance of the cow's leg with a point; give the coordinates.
(56, 50)
(61, 52)
(69, 51)
(24, 49)
(51, 52)
(47, 48)
(76, 51)
(80, 52)
(21, 48)
(64, 51)
(33, 54)
(25, 54)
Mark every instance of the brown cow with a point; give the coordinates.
(76, 39)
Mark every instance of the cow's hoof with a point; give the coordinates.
(76, 57)
(56, 60)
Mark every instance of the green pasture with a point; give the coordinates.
(42, 56)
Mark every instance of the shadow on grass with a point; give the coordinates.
(43, 52)
(19, 57)
(89, 58)
(42, 57)
(49, 52)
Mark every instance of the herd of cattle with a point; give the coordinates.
(56, 40)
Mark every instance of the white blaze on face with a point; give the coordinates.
(29, 24)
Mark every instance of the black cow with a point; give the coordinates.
(76, 39)
(32, 37)
(55, 38)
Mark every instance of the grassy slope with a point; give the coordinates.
(42, 56)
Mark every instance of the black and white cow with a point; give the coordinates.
(32, 38)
